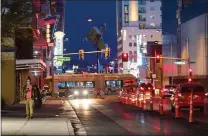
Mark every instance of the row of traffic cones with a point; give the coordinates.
(143, 104)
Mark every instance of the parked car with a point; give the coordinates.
(184, 91)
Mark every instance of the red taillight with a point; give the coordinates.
(141, 88)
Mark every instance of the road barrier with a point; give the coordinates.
(161, 110)
(191, 108)
(151, 103)
(177, 109)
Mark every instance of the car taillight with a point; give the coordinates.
(206, 94)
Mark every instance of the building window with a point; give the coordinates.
(142, 18)
(126, 18)
(130, 56)
(142, 10)
(152, 16)
(141, 2)
(135, 36)
(53, 6)
(135, 56)
(135, 44)
(141, 26)
(130, 36)
(152, 36)
(126, 9)
(152, 0)
(152, 8)
(152, 25)
(130, 44)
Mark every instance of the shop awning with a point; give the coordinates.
(30, 64)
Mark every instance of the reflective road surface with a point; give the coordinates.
(110, 117)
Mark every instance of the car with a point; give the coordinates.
(184, 91)
(168, 90)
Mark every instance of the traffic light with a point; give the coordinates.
(125, 57)
(190, 75)
(81, 54)
(107, 52)
(158, 58)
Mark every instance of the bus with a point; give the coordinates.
(87, 84)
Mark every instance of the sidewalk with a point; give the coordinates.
(49, 120)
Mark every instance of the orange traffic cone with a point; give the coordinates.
(177, 109)
(151, 104)
(191, 108)
(145, 103)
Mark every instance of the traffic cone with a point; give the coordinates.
(161, 104)
(161, 107)
(151, 103)
(144, 104)
(136, 102)
(177, 109)
(191, 109)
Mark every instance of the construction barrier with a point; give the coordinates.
(161, 104)
(191, 108)
(151, 102)
(177, 108)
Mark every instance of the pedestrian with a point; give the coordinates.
(29, 99)
(37, 97)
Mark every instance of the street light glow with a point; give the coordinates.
(89, 20)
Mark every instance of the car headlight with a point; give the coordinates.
(76, 92)
(85, 92)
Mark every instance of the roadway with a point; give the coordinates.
(110, 117)
(59, 116)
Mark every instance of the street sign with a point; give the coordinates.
(192, 62)
(64, 59)
(180, 62)
(47, 59)
(153, 76)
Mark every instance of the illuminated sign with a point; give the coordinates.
(139, 54)
(58, 50)
(59, 43)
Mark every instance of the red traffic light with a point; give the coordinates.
(125, 57)
(190, 70)
(158, 56)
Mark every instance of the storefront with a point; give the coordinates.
(32, 68)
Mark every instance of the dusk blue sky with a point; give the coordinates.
(76, 25)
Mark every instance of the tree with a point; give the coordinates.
(14, 15)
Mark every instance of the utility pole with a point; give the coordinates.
(52, 70)
(188, 56)
(172, 63)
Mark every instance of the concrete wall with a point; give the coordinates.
(8, 78)
(195, 31)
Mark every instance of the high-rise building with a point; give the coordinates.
(138, 22)
(192, 39)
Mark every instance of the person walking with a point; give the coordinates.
(29, 99)
(37, 97)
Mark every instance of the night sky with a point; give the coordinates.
(77, 26)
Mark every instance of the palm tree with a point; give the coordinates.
(15, 14)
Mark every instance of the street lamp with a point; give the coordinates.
(89, 19)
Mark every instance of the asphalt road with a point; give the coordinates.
(109, 117)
